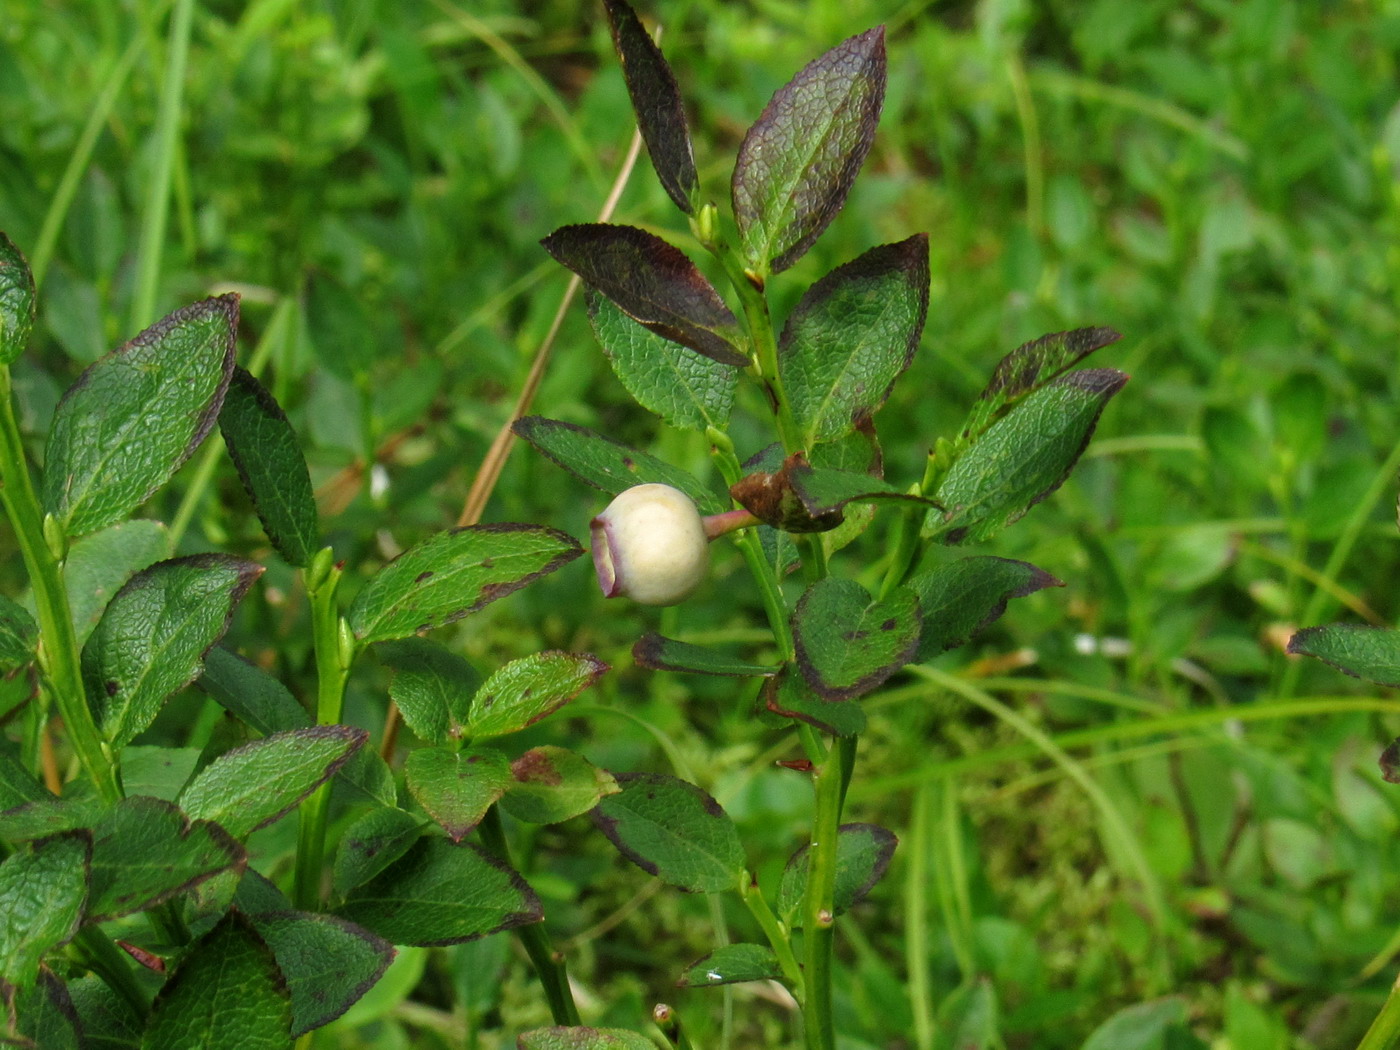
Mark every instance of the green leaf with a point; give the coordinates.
(268, 457)
(98, 565)
(108, 1020)
(684, 389)
(666, 654)
(252, 786)
(1372, 653)
(960, 599)
(226, 992)
(456, 788)
(657, 102)
(863, 852)
(1146, 1026)
(848, 644)
(17, 688)
(673, 830)
(17, 784)
(366, 777)
(154, 634)
(852, 335)
(161, 772)
(135, 415)
(328, 963)
(1022, 457)
(43, 887)
(582, 1038)
(607, 464)
(439, 893)
(250, 694)
(1029, 367)
(16, 302)
(529, 689)
(371, 844)
(652, 282)
(798, 161)
(551, 784)
(145, 851)
(732, 964)
(46, 1016)
(452, 575)
(18, 636)
(432, 687)
(790, 696)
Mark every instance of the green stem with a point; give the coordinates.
(916, 941)
(819, 904)
(111, 964)
(749, 287)
(59, 654)
(332, 669)
(548, 963)
(777, 935)
(1386, 1027)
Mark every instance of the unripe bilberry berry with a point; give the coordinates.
(650, 545)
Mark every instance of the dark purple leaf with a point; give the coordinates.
(657, 102)
(652, 282)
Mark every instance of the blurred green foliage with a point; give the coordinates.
(1219, 180)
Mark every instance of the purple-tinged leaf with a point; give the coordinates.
(790, 696)
(673, 830)
(732, 964)
(226, 991)
(152, 637)
(252, 786)
(797, 163)
(666, 654)
(135, 415)
(456, 788)
(1022, 457)
(1372, 653)
(146, 851)
(16, 302)
(773, 500)
(848, 644)
(607, 464)
(863, 853)
(329, 963)
(529, 689)
(653, 283)
(552, 784)
(657, 102)
(438, 894)
(1029, 367)
(453, 574)
(852, 335)
(960, 599)
(268, 457)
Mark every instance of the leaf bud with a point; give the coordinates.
(650, 545)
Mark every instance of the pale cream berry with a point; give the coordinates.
(650, 545)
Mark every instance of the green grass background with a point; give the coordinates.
(1123, 791)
